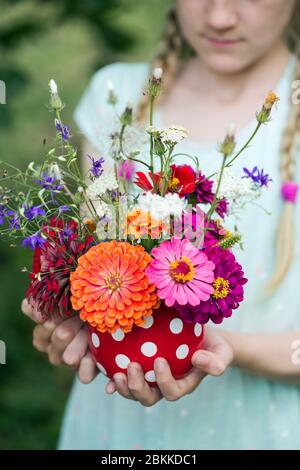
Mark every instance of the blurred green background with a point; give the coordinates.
(66, 40)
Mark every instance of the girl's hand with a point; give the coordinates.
(65, 341)
(213, 360)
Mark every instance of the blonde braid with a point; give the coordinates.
(168, 57)
(286, 232)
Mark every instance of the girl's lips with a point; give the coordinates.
(222, 42)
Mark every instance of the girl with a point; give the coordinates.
(220, 58)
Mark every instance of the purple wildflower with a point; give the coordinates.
(14, 223)
(63, 130)
(258, 176)
(64, 209)
(97, 166)
(33, 242)
(49, 182)
(33, 212)
(2, 215)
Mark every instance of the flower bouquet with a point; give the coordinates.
(143, 257)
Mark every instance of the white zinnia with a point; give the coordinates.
(101, 185)
(161, 208)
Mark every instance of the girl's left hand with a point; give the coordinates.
(213, 360)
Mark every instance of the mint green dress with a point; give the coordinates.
(237, 410)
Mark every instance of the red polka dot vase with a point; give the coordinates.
(165, 334)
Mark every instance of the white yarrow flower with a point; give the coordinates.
(101, 185)
(169, 135)
(161, 208)
(235, 188)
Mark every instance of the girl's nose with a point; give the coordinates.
(222, 14)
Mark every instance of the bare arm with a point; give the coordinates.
(274, 356)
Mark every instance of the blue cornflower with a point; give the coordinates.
(258, 176)
(49, 182)
(97, 166)
(33, 241)
(64, 130)
(33, 211)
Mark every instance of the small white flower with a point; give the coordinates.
(80, 189)
(231, 129)
(161, 208)
(110, 86)
(169, 135)
(101, 185)
(157, 73)
(55, 172)
(53, 87)
(235, 188)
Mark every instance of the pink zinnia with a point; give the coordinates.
(181, 273)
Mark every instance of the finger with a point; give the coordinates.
(165, 380)
(110, 387)
(121, 385)
(87, 370)
(209, 362)
(30, 312)
(54, 358)
(139, 388)
(191, 381)
(65, 332)
(77, 349)
(42, 335)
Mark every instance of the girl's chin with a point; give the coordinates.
(225, 64)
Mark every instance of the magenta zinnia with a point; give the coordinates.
(49, 290)
(228, 290)
(181, 273)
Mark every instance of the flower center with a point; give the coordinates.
(114, 282)
(221, 286)
(173, 184)
(182, 270)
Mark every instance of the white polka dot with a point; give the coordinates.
(118, 335)
(184, 412)
(95, 340)
(176, 326)
(149, 349)
(182, 351)
(148, 410)
(148, 322)
(285, 434)
(122, 361)
(101, 368)
(150, 376)
(198, 329)
(211, 431)
(237, 404)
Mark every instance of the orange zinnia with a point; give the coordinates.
(110, 287)
(141, 224)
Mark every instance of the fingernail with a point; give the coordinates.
(133, 370)
(201, 360)
(110, 388)
(160, 364)
(119, 380)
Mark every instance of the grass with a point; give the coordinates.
(33, 393)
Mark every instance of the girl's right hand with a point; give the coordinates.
(65, 341)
